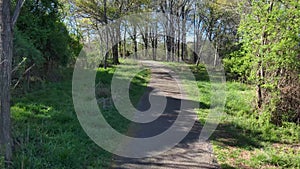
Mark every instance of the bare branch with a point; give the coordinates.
(19, 5)
(26, 71)
(17, 67)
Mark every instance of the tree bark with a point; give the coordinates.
(115, 50)
(6, 45)
(135, 42)
(116, 45)
(106, 32)
(154, 41)
(183, 44)
(216, 55)
(125, 43)
(146, 41)
(178, 37)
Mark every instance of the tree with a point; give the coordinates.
(270, 37)
(44, 41)
(216, 22)
(102, 12)
(7, 23)
(181, 9)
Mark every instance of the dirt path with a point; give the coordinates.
(190, 153)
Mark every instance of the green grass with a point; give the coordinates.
(245, 139)
(47, 133)
(1, 162)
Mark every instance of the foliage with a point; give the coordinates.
(221, 20)
(237, 66)
(23, 47)
(270, 41)
(43, 39)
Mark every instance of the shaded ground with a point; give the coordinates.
(189, 153)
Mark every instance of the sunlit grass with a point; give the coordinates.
(243, 139)
(47, 133)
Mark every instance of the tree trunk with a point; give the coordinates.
(135, 42)
(183, 45)
(155, 44)
(169, 48)
(172, 37)
(216, 55)
(195, 36)
(6, 45)
(125, 43)
(106, 33)
(201, 49)
(116, 45)
(260, 71)
(259, 90)
(153, 38)
(178, 39)
(146, 41)
(115, 50)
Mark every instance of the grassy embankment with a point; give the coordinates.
(47, 133)
(244, 139)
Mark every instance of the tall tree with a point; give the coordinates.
(216, 22)
(103, 12)
(7, 23)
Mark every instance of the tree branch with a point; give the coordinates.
(26, 71)
(17, 11)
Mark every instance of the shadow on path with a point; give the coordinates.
(189, 153)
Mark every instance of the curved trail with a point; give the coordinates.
(190, 153)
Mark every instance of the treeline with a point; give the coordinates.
(258, 41)
(184, 28)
